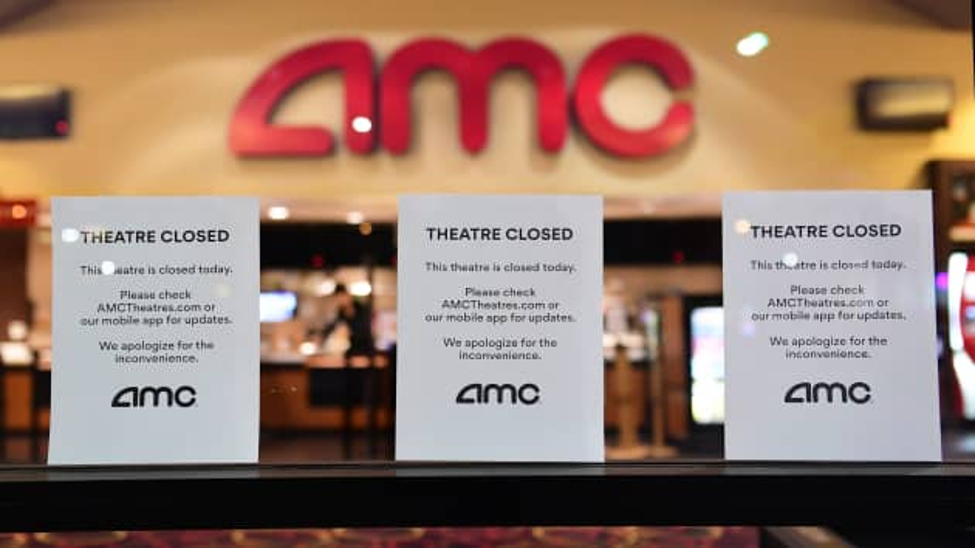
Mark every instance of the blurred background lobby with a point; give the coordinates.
(127, 97)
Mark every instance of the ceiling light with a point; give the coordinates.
(326, 287)
(360, 288)
(752, 44)
(278, 212)
(362, 125)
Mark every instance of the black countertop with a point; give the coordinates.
(934, 496)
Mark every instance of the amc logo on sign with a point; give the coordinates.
(378, 110)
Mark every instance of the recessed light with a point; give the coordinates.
(278, 212)
(360, 288)
(70, 235)
(752, 44)
(362, 124)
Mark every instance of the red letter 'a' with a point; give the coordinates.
(252, 133)
(473, 73)
(670, 64)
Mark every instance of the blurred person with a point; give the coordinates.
(358, 320)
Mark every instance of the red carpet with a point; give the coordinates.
(539, 537)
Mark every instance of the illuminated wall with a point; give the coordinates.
(155, 83)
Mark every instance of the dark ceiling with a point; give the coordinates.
(12, 10)
(952, 14)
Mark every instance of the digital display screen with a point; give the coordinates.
(707, 369)
(34, 111)
(277, 306)
(961, 289)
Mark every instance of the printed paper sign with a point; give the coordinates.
(499, 321)
(830, 326)
(155, 330)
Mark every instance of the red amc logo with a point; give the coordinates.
(253, 135)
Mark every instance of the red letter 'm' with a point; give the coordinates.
(473, 73)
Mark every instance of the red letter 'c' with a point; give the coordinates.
(676, 125)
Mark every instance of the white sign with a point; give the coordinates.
(155, 330)
(499, 321)
(830, 326)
